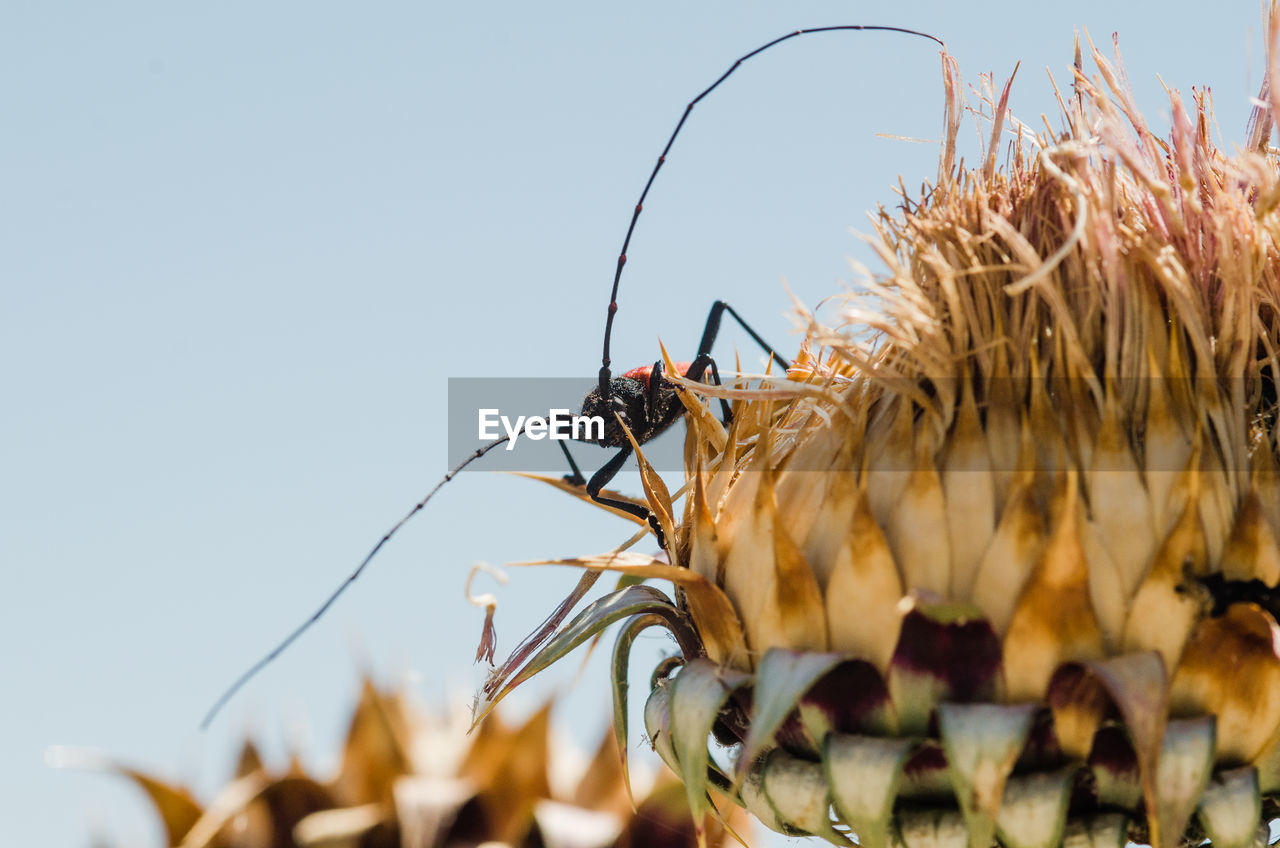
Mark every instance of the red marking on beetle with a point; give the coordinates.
(644, 372)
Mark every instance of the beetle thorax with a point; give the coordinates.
(629, 401)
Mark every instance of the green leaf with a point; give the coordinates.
(982, 743)
(621, 663)
(863, 773)
(1186, 762)
(698, 694)
(797, 791)
(1109, 830)
(755, 802)
(1139, 686)
(782, 678)
(932, 828)
(1231, 810)
(595, 617)
(1034, 810)
(657, 723)
(945, 652)
(626, 580)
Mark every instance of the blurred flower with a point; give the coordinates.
(412, 778)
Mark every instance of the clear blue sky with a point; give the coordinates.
(243, 245)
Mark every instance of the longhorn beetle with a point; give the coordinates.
(644, 402)
(641, 399)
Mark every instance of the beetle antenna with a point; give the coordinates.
(351, 578)
(605, 373)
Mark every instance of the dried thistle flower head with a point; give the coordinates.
(409, 778)
(1003, 568)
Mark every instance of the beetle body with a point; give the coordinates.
(643, 399)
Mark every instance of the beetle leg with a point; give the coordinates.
(712, 329)
(704, 362)
(607, 473)
(574, 477)
(698, 369)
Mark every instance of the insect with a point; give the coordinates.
(642, 399)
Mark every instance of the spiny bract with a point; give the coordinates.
(997, 562)
(410, 778)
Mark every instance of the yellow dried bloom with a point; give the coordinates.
(1004, 568)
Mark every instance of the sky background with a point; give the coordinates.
(243, 246)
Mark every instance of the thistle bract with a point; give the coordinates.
(412, 777)
(996, 561)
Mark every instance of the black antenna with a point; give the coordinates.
(351, 578)
(604, 369)
(605, 374)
